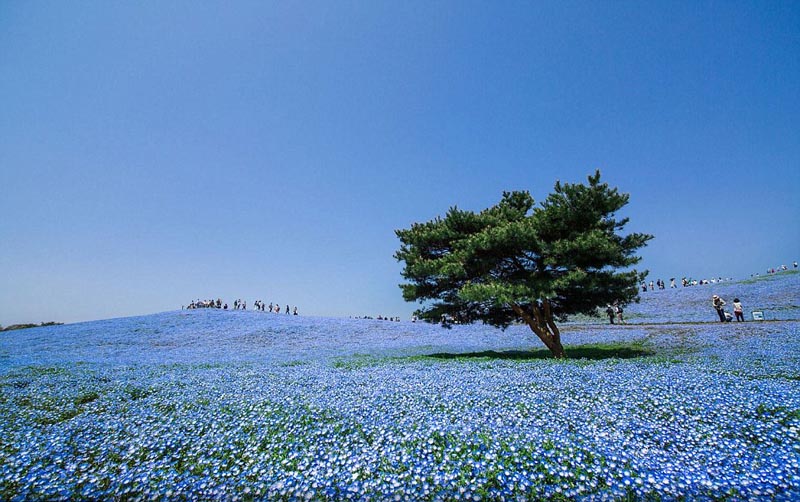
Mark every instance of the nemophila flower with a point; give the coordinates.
(228, 412)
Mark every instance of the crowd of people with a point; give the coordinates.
(782, 268)
(685, 282)
(260, 306)
(694, 282)
(239, 304)
(205, 304)
(688, 281)
(614, 311)
(379, 318)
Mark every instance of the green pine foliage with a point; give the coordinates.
(516, 261)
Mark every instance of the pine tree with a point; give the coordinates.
(519, 262)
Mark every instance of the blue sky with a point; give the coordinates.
(156, 152)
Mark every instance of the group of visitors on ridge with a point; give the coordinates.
(781, 268)
(659, 284)
(238, 304)
(694, 282)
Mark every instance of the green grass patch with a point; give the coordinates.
(291, 364)
(135, 393)
(35, 372)
(589, 352)
(594, 352)
(357, 361)
(783, 414)
(86, 398)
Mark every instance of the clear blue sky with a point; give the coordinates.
(156, 152)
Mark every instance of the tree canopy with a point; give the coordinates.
(516, 261)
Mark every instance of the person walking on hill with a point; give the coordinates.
(738, 311)
(618, 309)
(719, 305)
(610, 313)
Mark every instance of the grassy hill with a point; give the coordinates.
(214, 335)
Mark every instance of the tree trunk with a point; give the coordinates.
(542, 324)
(555, 333)
(554, 345)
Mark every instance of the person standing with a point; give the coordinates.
(719, 305)
(618, 309)
(610, 313)
(738, 311)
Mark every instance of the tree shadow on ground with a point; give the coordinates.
(582, 352)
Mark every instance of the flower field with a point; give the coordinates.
(210, 404)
